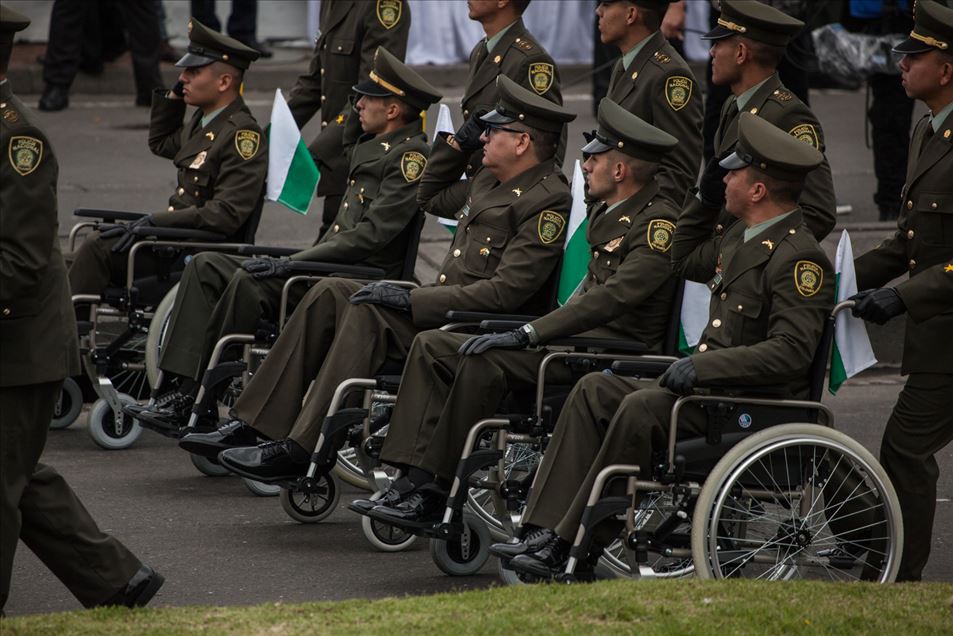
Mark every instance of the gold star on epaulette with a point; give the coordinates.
(768, 243)
(517, 192)
(339, 119)
(948, 268)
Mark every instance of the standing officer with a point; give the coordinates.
(37, 351)
(772, 288)
(747, 45)
(348, 35)
(448, 385)
(922, 421)
(502, 255)
(652, 81)
(219, 155)
(222, 294)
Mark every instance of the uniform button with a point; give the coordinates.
(792, 231)
(456, 253)
(6, 311)
(933, 205)
(702, 348)
(469, 166)
(595, 254)
(488, 239)
(740, 307)
(345, 205)
(171, 209)
(716, 323)
(337, 228)
(322, 70)
(181, 191)
(912, 263)
(324, 124)
(719, 228)
(753, 111)
(466, 113)
(724, 296)
(518, 40)
(909, 205)
(340, 48)
(909, 234)
(195, 178)
(352, 181)
(196, 193)
(443, 278)
(324, 97)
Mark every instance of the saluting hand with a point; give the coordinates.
(468, 135)
(877, 305)
(681, 377)
(267, 267)
(383, 293)
(515, 339)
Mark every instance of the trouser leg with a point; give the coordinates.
(94, 266)
(64, 51)
(142, 24)
(204, 12)
(890, 114)
(243, 20)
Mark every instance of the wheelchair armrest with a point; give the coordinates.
(179, 233)
(263, 250)
(627, 346)
(641, 367)
(108, 215)
(780, 391)
(479, 316)
(355, 271)
(388, 383)
(501, 325)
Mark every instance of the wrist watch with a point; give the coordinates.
(529, 331)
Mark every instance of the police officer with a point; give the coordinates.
(922, 421)
(219, 155)
(222, 294)
(652, 81)
(772, 288)
(502, 254)
(451, 381)
(348, 34)
(748, 43)
(37, 351)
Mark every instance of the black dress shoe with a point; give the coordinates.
(168, 415)
(546, 562)
(232, 434)
(268, 462)
(139, 590)
(533, 541)
(420, 508)
(54, 98)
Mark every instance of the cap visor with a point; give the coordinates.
(595, 147)
(371, 89)
(191, 60)
(496, 117)
(718, 33)
(910, 46)
(733, 162)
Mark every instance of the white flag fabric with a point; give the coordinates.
(575, 263)
(292, 173)
(696, 299)
(852, 352)
(445, 124)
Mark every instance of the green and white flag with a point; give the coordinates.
(696, 299)
(576, 249)
(852, 352)
(445, 124)
(292, 173)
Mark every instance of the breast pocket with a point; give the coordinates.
(485, 249)
(197, 184)
(745, 320)
(934, 219)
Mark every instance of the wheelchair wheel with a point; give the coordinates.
(349, 470)
(261, 489)
(519, 462)
(384, 537)
(314, 503)
(102, 425)
(798, 501)
(465, 554)
(158, 330)
(207, 466)
(68, 406)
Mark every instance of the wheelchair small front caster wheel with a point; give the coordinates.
(261, 489)
(106, 431)
(385, 537)
(465, 553)
(313, 502)
(208, 466)
(68, 406)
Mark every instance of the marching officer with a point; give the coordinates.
(222, 294)
(772, 288)
(451, 381)
(502, 255)
(349, 33)
(922, 420)
(219, 155)
(37, 351)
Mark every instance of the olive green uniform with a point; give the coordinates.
(627, 294)
(922, 421)
(770, 297)
(221, 170)
(37, 351)
(502, 254)
(349, 33)
(217, 297)
(659, 87)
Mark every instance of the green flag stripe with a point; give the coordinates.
(575, 263)
(300, 182)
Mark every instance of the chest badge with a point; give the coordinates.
(199, 160)
(808, 278)
(660, 234)
(613, 245)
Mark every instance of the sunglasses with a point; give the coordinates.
(488, 130)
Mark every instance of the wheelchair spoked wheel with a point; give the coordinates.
(126, 366)
(348, 468)
(617, 561)
(102, 425)
(314, 502)
(207, 466)
(464, 554)
(69, 405)
(519, 462)
(385, 537)
(261, 489)
(798, 501)
(158, 331)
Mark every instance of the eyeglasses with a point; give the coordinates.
(488, 130)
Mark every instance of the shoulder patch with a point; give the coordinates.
(659, 235)
(550, 226)
(412, 165)
(662, 58)
(678, 90)
(540, 76)
(25, 154)
(11, 116)
(247, 142)
(388, 12)
(807, 134)
(808, 277)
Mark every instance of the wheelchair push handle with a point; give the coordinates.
(842, 306)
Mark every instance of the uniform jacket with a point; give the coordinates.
(343, 55)
(779, 106)
(221, 168)
(630, 286)
(922, 247)
(380, 200)
(38, 340)
(659, 87)
(507, 245)
(770, 298)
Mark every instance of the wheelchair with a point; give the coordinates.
(117, 343)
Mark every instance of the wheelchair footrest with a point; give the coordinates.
(603, 509)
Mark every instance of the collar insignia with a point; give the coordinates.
(517, 192)
(768, 243)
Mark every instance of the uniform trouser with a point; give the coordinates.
(216, 297)
(242, 19)
(327, 340)
(94, 267)
(606, 420)
(38, 506)
(920, 426)
(890, 113)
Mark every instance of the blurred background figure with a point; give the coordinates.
(242, 21)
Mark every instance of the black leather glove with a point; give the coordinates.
(515, 339)
(178, 89)
(878, 305)
(711, 187)
(382, 293)
(267, 267)
(680, 377)
(468, 135)
(125, 231)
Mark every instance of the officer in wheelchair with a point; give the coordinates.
(222, 294)
(451, 381)
(772, 288)
(219, 156)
